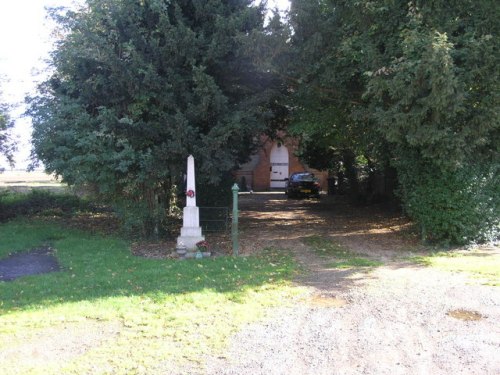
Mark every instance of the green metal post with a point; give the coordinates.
(234, 227)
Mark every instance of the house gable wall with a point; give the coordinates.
(257, 172)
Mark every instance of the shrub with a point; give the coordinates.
(38, 202)
(453, 207)
(138, 221)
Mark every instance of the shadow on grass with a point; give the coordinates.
(96, 267)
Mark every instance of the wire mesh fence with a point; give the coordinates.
(215, 219)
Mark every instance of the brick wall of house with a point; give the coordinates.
(257, 175)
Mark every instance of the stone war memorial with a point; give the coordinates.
(191, 233)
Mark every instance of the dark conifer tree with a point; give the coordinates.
(138, 85)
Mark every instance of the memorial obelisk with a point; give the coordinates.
(191, 230)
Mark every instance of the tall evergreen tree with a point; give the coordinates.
(416, 83)
(138, 85)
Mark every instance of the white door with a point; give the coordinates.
(279, 166)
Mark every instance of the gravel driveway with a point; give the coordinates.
(396, 319)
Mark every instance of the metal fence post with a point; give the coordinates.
(234, 227)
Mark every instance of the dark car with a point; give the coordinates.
(302, 184)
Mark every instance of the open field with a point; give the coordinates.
(35, 178)
(22, 181)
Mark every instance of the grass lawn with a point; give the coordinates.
(109, 312)
(482, 264)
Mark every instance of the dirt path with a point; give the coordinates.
(391, 320)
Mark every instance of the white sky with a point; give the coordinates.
(24, 45)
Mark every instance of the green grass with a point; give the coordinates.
(479, 264)
(159, 310)
(344, 258)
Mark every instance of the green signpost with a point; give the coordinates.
(234, 227)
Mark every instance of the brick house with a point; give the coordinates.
(274, 162)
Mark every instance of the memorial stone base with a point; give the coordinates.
(190, 231)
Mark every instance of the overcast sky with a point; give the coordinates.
(24, 45)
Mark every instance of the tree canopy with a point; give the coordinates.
(421, 74)
(139, 85)
(414, 84)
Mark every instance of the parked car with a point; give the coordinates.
(302, 184)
